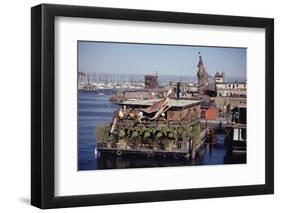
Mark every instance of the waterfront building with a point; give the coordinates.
(231, 89)
(219, 77)
(225, 104)
(186, 89)
(209, 111)
(154, 127)
(151, 81)
(238, 129)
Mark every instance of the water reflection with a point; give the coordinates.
(209, 155)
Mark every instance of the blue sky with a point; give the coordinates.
(129, 58)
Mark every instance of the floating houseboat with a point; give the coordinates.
(238, 130)
(153, 127)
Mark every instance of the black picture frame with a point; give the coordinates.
(43, 102)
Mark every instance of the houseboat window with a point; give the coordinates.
(203, 114)
(235, 135)
(243, 134)
(179, 145)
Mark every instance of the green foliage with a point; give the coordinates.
(138, 133)
(154, 131)
(158, 135)
(103, 134)
(100, 133)
(170, 135)
(109, 138)
(121, 133)
(141, 130)
(146, 134)
(134, 134)
(166, 131)
(196, 132)
(189, 132)
(175, 134)
(184, 135)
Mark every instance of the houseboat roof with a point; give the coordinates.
(171, 102)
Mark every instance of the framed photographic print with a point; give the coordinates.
(139, 106)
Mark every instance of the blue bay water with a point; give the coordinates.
(93, 110)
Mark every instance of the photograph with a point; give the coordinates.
(133, 105)
(160, 105)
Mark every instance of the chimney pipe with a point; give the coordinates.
(178, 90)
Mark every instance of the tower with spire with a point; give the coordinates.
(202, 76)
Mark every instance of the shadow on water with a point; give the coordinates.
(95, 110)
(235, 158)
(115, 162)
(209, 155)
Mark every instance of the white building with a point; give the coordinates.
(219, 78)
(231, 89)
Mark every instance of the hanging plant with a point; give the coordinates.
(121, 133)
(129, 131)
(179, 133)
(154, 132)
(175, 134)
(100, 133)
(134, 134)
(109, 138)
(184, 135)
(196, 132)
(170, 135)
(189, 132)
(141, 131)
(165, 131)
(158, 135)
(146, 134)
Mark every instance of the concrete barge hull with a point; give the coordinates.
(147, 153)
